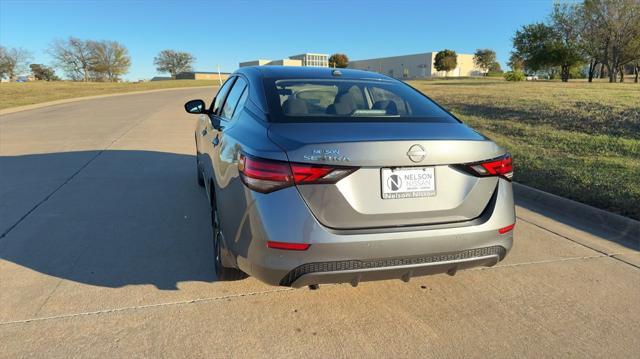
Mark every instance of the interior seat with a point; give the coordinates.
(294, 106)
(388, 106)
(343, 105)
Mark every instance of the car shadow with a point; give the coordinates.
(108, 218)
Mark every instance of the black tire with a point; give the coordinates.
(199, 173)
(223, 273)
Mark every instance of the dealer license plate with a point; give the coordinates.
(408, 182)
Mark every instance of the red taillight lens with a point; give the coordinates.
(506, 229)
(263, 175)
(306, 173)
(501, 166)
(288, 246)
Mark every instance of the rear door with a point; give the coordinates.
(225, 146)
(207, 131)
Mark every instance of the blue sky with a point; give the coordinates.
(227, 32)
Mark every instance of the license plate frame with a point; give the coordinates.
(409, 182)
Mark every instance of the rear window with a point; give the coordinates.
(338, 100)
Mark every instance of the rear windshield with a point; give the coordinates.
(338, 100)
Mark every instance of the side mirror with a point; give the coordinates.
(195, 107)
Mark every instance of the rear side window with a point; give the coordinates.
(222, 93)
(234, 97)
(345, 100)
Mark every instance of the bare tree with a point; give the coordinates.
(618, 28)
(13, 62)
(73, 56)
(108, 60)
(173, 62)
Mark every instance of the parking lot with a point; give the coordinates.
(106, 252)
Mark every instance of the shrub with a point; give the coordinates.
(495, 74)
(514, 76)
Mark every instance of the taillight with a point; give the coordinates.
(263, 175)
(506, 229)
(288, 246)
(501, 166)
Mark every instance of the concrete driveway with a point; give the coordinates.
(105, 251)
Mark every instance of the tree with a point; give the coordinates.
(3, 63)
(613, 29)
(484, 59)
(495, 67)
(446, 60)
(174, 62)
(566, 23)
(108, 60)
(594, 40)
(73, 56)
(516, 62)
(338, 60)
(41, 72)
(13, 62)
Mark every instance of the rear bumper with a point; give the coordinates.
(360, 255)
(357, 271)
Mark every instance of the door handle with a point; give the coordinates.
(216, 141)
(204, 132)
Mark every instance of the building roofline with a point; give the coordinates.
(398, 56)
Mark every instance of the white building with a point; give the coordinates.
(416, 66)
(314, 60)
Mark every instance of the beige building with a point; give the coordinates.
(416, 66)
(201, 75)
(259, 62)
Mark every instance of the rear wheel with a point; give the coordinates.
(223, 273)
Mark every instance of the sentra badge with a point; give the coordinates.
(326, 154)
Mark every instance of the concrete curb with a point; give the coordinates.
(628, 229)
(35, 106)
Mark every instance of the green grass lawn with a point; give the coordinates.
(576, 139)
(19, 94)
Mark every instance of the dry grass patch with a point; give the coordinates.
(28, 93)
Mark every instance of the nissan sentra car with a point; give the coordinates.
(319, 175)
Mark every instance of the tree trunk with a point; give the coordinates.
(637, 68)
(602, 72)
(592, 69)
(564, 75)
(621, 74)
(615, 64)
(613, 74)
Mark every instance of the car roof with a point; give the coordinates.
(307, 72)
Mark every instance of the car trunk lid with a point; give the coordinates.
(381, 150)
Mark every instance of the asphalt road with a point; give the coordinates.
(105, 251)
